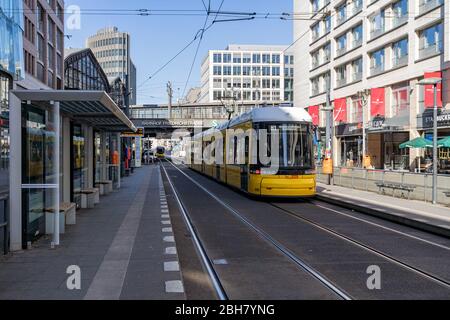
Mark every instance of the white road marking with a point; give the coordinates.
(175, 286)
(171, 266)
(164, 211)
(165, 222)
(220, 261)
(169, 229)
(171, 250)
(165, 216)
(169, 239)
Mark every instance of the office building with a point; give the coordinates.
(369, 55)
(112, 50)
(256, 73)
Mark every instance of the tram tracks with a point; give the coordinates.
(282, 249)
(369, 248)
(339, 289)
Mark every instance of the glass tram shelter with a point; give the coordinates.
(61, 142)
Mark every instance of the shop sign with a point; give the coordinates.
(377, 105)
(340, 110)
(164, 123)
(349, 129)
(426, 119)
(377, 123)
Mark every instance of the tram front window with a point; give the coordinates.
(295, 144)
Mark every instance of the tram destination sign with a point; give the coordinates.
(138, 133)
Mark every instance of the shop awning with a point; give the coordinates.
(444, 143)
(94, 107)
(417, 143)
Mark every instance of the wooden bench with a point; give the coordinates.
(67, 216)
(105, 186)
(403, 187)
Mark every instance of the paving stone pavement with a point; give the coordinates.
(119, 245)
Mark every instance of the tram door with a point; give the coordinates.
(245, 165)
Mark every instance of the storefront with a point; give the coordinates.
(52, 154)
(5, 87)
(425, 128)
(350, 144)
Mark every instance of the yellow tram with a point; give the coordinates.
(160, 152)
(287, 136)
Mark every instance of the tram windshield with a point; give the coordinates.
(295, 144)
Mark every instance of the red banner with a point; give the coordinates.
(429, 90)
(340, 110)
(377, 104)
(314, 112)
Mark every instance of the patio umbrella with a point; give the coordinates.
(417, 143)
(444, 143)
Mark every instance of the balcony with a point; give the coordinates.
(376, 70)
(341, 82)
(356, 43)
(357, 76)
(426, 6)
(340, 51)
(430, 51)
(377, 32)
(399, 21)
(400, 61)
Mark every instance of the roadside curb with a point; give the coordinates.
(364, 208)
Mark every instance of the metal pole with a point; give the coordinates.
(435, 157)
(57, 178)
(328, 143)
(363, 132)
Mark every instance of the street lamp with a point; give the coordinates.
(364, 96)
(434, 82)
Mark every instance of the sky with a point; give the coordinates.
(156, 39)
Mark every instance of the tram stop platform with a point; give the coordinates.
(418, 214)
(124, 248)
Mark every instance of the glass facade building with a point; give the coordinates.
(11, 68)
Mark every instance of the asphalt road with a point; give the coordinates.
(338, 244)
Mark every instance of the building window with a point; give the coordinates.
(315, 86)
(400, 53)
(227, 58)
(377, 24)
(246, 70)
(400, 12)
(246, 58)
(357, 71)
(377, 62)
(217, 83)
(237, 58)
(275, 58)
(327, 22)
(217, 58)
(40, 17)
(430, 40)
(227, 70)
(236, 71)
(217, 70)
(41, 48)
(256, 58)
(276, 83)
(341, 44)
(266, 71)
(357, 36)
(256, 71)
(341, 13)
(357, 6)
(266, 58)
(275, 71)
(341, 75)
(315, 31)
(400, 100)
(356, 113)
(315, 61)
